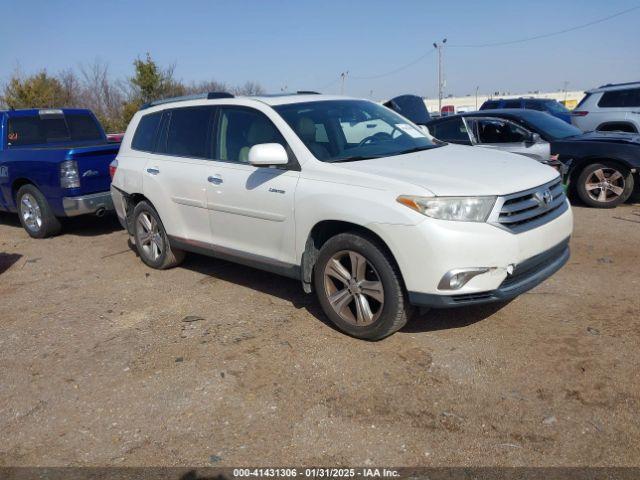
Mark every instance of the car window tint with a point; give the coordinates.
(144, 138)
(528, 104)
(620, 98)
(499, 131)
(450, 131)
(512, 104)
(83, 127)
(489, 105)
(239, 129)
(188, 134)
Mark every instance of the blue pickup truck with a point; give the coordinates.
(53, 163)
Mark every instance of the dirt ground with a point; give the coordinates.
(107, 362)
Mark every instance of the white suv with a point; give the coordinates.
(344, 195)
(609, 108)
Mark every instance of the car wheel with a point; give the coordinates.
(151, 239)
(604, 185)
(359, 287)
(36, 215)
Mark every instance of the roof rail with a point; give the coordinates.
(184, 98)
(618, 84)
(307, 92)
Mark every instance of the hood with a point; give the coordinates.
(455, 170)
(411, 107)
(618, 137)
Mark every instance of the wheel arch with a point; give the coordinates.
(131, 200)
(18, 183)
(626, 126)
(323, 231)
(582, 163)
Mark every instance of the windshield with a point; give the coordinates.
(556, 107)
(349, 130)
(552, 126)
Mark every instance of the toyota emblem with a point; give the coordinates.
(544, 198)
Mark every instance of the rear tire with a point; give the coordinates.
(151, 239)
(604, 185)
(360, 288)
(35, 214)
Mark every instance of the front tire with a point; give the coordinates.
(151, 239)
(359, 287)
(604, 185)
(35, 214)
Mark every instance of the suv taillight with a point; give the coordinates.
(69, 176)
(579, 113)
(113, 166)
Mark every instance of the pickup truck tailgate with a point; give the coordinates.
(93, 166)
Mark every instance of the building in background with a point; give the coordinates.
(470, 103)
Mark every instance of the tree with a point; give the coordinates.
(36, 91)
(102, 96)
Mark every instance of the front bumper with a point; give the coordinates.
(526, 276)
(87, 204)
(426, 252)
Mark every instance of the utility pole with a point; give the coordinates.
(439, 46)
(477, 88)
(566, 84)
(343, 76)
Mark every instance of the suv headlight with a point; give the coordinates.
(69, 176)
(460, 209)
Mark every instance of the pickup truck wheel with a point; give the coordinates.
(36, 215)
(604, 185)
(359, 287)
(151, 239)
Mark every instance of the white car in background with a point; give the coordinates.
(344, 195)
(613, 107)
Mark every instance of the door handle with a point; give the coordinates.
(215, 179)
(153, 171)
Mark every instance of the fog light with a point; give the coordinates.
(458, 278)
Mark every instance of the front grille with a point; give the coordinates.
(529, 209)
(535, 264)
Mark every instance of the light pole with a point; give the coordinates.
(439, 46)
(343, 76)
(477, 88)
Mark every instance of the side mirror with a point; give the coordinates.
(267, 154)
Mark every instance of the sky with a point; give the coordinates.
(305, 45)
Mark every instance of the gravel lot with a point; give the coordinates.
(107, 362)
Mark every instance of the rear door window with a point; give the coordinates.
(189, 133)
(620, 98)
(495, 131)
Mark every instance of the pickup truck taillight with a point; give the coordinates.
(113, 166)
(579, 113)
(69, 176)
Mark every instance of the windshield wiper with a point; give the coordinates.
(355, 158)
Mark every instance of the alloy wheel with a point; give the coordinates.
(353, 288)
(30, 211)
(149, 236)
(605, 185)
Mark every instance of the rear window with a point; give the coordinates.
(145, 136)
(489, 105)
(512, 104)
(620, 98)
(586, 97)
(51, 127)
